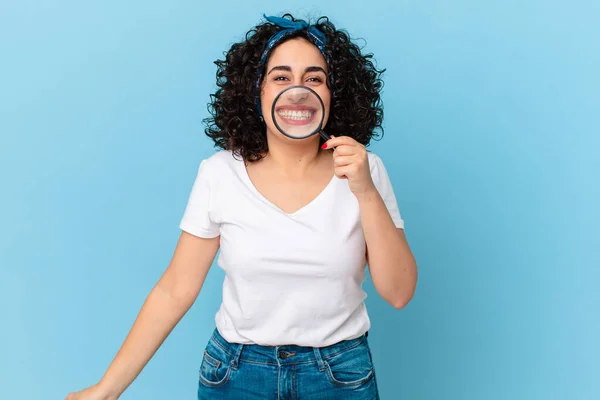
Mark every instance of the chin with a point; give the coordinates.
(275, 134)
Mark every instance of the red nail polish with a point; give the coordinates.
(324, 146)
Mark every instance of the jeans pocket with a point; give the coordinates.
(215, 369)
(350, 368)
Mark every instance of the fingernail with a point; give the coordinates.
(324, 146)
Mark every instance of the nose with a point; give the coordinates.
(297, 95)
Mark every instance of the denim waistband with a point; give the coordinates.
(288, 354)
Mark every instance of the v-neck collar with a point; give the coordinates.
(246, 178)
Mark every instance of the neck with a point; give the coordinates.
(294, 157)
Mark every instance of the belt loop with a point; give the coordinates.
(319, 358)
(236, 357)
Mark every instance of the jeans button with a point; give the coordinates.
(282, 354)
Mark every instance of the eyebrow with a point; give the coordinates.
(287, 68)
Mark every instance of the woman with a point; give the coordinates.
(296, 220)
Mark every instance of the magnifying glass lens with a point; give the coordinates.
(298, 112)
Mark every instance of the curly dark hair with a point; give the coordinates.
(356, 109)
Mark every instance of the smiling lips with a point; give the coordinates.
(296, 114)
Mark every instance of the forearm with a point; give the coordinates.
(391, 263)
(157, 318)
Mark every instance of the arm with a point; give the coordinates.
(391, 263)
(164, 307)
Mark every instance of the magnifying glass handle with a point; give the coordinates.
(325, 136)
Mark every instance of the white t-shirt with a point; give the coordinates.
(290, 278)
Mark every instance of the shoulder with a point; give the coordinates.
(220, 163)
(373, 156)
(221, 158)
(375, 163)
(217, 167)
(379, 172)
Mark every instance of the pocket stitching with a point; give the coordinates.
(212, 384)
(355, 345)
(357, 383)
(211, 360)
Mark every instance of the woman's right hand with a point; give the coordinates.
(166, 304)
(95, 392)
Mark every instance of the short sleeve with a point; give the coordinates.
(197, 216)
(384, 187)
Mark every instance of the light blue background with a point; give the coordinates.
(492, 140)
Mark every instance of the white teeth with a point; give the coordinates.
(297, 115)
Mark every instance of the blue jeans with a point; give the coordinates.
(247, 372)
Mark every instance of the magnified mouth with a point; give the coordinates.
(295, 114)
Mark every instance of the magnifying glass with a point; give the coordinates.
(298, 112)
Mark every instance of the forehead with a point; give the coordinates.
(297, 53)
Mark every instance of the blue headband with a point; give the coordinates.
(289, 27)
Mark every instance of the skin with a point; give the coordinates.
(291, 175)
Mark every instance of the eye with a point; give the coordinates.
(280, 78)
(315, 79)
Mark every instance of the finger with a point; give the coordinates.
(345, 171)
(340, 161)
(345, 150)
(340, 140)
